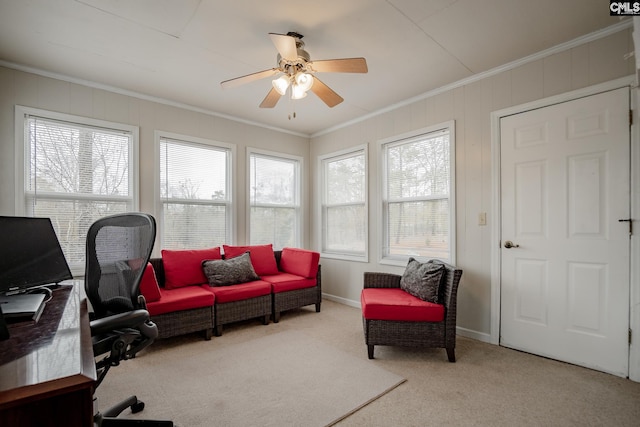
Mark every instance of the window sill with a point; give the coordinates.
(343, 257)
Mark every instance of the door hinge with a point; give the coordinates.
(630, 117)
(630, 333)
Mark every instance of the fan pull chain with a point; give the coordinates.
(291, 105)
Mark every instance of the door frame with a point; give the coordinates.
(496, 220)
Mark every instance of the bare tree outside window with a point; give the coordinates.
(274, 200)
(344, 230)
(417, 196)
(76, 174)
(194, 189)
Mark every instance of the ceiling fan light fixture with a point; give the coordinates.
(297, 92)
(304, 80)
(281, 84)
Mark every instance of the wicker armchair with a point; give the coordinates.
(415, 334)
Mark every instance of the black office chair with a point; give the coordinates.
(118, 249)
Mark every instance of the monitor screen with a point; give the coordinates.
(30, 254)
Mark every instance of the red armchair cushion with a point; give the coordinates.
(185, 298)
(396, 304)
(262, 257)
(184, 267)
(300, 262)
(149, 284)
(284, 282)
(241, 292)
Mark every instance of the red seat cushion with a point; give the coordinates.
(396, 304)
(263, 259)
(184, 298)
(242, 291)
(300, 262)
(284, 282)
(184, 267)
(149, 284)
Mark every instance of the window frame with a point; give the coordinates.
(22, 154)
(298, 191)
(231, 183)
(401, 260)
(358, 150)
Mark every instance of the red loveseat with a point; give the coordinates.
(180, 300)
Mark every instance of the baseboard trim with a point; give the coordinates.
(469, 333)
(345, 301)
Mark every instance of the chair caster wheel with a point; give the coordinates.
(137, 407)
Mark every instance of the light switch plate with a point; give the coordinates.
(482, 218)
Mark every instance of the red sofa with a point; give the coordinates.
(180, 298)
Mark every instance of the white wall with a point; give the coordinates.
(470, 105)
(31, 90)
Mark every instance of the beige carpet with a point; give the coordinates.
(285, 378)
(487, 386)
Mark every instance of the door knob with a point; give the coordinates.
(509, 244)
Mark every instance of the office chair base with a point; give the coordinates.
(109, 417)
(132, 402)
(122, 422)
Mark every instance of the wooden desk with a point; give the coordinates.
(47, 369)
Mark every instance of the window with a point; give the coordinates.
(195, 192)
(76, 170)
(274, 199)
(418, 195)
(344, 204)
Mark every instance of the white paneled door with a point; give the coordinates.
(565, 186)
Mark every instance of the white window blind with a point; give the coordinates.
(344, 212)
(274, 198)
(418, 197)
(76, 173)
(195, 192)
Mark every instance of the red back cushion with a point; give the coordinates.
(262, 258)
(149, 284)
(300, 262)
(184, 267)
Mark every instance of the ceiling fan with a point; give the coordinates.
(297, 72)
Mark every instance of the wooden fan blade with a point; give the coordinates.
(325, 93)
(249, 78)
(346, 65)
(286, 46)
(271, 99)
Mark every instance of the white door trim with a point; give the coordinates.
(496, 220)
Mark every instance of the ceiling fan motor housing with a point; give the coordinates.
(300, 64)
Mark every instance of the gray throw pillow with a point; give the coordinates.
(225, 272)
(422, 280)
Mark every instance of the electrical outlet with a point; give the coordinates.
(482, 218)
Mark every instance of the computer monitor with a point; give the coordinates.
(30, 254)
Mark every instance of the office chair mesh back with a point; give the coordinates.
(118, 249)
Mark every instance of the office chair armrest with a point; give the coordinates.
(130, 319)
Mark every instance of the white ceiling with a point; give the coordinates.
(180, 50)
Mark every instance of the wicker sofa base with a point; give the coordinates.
(211, 319)
(408, 334)
(185, 322)
(241, 310)
(284, 301)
